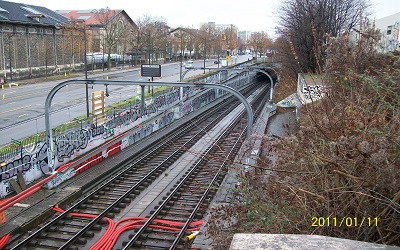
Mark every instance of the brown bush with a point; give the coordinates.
(344, 162)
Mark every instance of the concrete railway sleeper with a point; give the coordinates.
(81, 225)
(201, 182)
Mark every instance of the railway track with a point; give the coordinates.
(188, 202)
(106, 217)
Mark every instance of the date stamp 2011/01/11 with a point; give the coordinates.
(344, 222)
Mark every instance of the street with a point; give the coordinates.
(22, 107)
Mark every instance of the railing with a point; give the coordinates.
(12, 150)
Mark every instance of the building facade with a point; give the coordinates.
(28, 38)
(389, 27)
(38, 42)
(105, 28)
(244, 36)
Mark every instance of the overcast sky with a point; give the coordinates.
(252, 15)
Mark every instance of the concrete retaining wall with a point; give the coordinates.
(300, 242)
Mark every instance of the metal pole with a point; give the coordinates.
(205, 54)
(3, 56)
(180, 70)
(148, 89)
(149, 48)
(142, 97)
(85, 62)
(9, 51)
(55, 48)
(47, 106)
(152, 89)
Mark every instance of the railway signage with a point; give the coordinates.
(151, 70)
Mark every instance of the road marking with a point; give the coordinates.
(11, 110)
(22, 115)
(22, 96)
(29, 94)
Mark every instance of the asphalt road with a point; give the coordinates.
(22, 107)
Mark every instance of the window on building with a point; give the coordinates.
(389, 30)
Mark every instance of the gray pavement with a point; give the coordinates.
(283, 123)
(29, 214)
(22, 106)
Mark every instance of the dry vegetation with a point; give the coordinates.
(344, 161)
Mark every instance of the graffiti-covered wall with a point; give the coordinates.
(117, 132)
(74, 143)
(32, 165)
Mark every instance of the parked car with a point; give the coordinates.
(216, 62)
(188, 66)
(190, 61)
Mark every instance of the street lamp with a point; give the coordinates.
(205, 54)
(205, 47)
(149, 50)
(149, 44)
(85, 62)
(180, 59)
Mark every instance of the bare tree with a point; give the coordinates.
(113, 30)
(72, 43)
(136, 40)
(260, 42)
(231, 38)
(207, 31)
(180, 39)
(151, 36)
(306, 24)
(218, 44)
(160, 34)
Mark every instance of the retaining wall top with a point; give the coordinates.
(300, 242)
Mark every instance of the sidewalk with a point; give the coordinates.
(73, 76)
(76, 75)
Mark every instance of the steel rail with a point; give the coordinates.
(50, 96)
(72, 240)
(182, 182)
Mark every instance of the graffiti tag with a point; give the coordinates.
(66, 144)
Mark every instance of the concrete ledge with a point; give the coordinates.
(299, 241)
